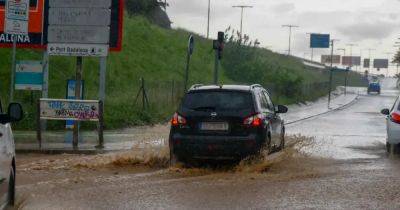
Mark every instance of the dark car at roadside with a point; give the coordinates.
(229, 122)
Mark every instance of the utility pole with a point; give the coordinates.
(290, 35)
(208, 19)
(312, 49)
(331, 72)
(369, 57)
(242, 7)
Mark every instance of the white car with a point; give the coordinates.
(7, 154)
(393, 126)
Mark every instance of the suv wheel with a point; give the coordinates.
(11, 187)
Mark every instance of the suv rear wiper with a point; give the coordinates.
(202, 108)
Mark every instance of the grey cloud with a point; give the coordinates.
(368, 30)
(283, 7)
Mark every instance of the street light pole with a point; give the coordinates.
(351, 54)
(242, 7)
(208, 19)
(290, 35)
(331, 72)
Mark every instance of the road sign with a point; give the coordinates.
(35, 27)
(80, 3)
(381, 63)
(78, 29)
(351, 60)
(60, 109)
(60, 49)
(326, 59)
(80, 16)
(320, 41)
(39, 13)
(29, 75)
(71, 96)
(79, 34)
(16, 17)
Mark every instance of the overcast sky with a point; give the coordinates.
(367, 23)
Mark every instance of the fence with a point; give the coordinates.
(168, 94)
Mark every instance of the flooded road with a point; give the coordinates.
(334, 161)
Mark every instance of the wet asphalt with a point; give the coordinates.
(345, 167)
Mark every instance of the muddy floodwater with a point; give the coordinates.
(333, 161)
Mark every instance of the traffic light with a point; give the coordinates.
(219, 44)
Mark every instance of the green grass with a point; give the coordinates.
(157, 55)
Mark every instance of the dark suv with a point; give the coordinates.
(227, 122)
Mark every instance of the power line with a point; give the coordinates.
(290, 35)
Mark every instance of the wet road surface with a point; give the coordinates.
(343, 166)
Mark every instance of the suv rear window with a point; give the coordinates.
(218, 100)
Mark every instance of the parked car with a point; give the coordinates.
(7, 154)
(227, 122)
(393, 126)
(374, 87)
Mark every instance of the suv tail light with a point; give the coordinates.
(395, 117)
(178, 120)
(254, 121)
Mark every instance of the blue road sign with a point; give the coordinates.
(71, 84)
(29, 75)
(320, 41)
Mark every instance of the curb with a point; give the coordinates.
(352, 102)
(63, 151)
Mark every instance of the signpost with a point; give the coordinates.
(29, 75)
(80, 28)
(15, 23)
(326, 59)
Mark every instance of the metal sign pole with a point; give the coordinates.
(77, 96)
(45, 89)
(189, 55)
(14, 53)
(216, 67)
(102, 83)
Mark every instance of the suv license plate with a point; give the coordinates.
(208, 126)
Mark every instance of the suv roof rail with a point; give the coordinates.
(256, 86)
(196, 86)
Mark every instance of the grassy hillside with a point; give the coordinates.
(157, 55)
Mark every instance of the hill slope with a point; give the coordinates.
(157, 55)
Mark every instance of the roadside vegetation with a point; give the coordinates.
(158, 55)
